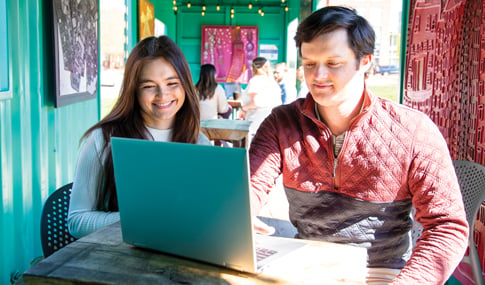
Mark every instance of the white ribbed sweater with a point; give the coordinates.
(83, 218)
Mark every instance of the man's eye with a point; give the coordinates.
(309, 65)
(334, 64)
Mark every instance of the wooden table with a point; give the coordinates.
(228, 130)
(103, 258)
(236, 105)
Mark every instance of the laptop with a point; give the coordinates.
(191, 201)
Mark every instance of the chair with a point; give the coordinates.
(471, 177)
(53, 229)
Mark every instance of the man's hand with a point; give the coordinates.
(262, 228)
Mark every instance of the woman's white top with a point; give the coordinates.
(209, 108)
(268, 96)
(83, 218)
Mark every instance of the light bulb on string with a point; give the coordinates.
(250, 5)
(232, 10)
(218, 7)
(286, 8)
(174, 2)
(189, 4)
(203, 8)
(232, 15)
(202, 13)
(260, 10)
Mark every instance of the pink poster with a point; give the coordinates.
(231, 50)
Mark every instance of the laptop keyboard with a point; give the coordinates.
(262, 253)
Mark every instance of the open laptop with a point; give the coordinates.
(191, 201)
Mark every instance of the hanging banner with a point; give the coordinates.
(231, 50)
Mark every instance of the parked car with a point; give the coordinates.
(387, 69)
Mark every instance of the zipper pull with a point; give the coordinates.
(334, 167)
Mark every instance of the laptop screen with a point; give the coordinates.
(185, 199)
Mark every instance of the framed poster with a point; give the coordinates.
(231, 50)
(76, 38)
(146, 19)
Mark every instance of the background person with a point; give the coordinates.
(158, 101)
(288, 90)
(302, 87)
(261, 95)
(213, 102)
(354, 165)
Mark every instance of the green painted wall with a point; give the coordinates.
(185, 26)
(39, 144)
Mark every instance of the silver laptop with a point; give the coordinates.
(191, 201)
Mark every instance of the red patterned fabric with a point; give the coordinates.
(391, 154)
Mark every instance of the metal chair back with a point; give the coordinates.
(54, 230)
(471, 177)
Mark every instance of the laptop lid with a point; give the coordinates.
(185, 199)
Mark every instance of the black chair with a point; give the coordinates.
(53, 229)
(471, 177)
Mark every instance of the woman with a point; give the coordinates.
(158, 102)
(262, 95)
(212, 97)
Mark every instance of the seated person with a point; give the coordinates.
(260, 96)
(354, 165)
(213, 102)
(158, 102)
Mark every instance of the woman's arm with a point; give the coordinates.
(83, 218)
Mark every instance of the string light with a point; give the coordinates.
(232, 10)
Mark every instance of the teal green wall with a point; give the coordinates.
(38, 143)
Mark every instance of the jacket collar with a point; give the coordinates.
(308, 107)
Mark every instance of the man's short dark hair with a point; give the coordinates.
(328, 19)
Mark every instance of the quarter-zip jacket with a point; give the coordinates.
(393, 158)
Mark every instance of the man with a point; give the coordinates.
(288, 90)
(354, 165)
(303, 89)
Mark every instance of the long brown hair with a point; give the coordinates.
(207, 83)
(125, 119)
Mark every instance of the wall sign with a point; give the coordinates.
(146, 19)
(270, 52)
(231, 50)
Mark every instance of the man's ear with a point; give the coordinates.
(366, 62)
